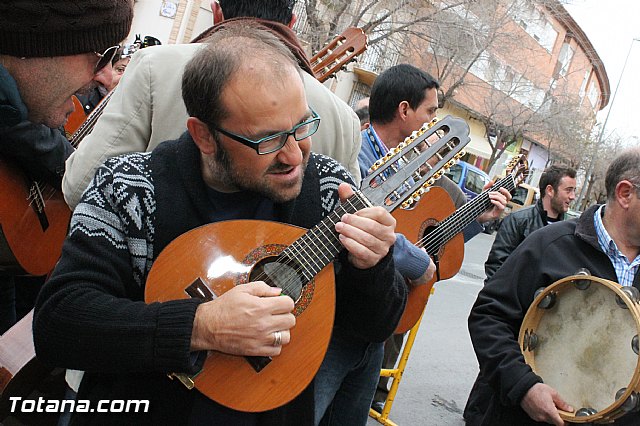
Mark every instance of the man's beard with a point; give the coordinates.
(220, 166)
(557, 205)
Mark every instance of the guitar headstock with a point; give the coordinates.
(339, 52)
(518, 168)
(403, 175)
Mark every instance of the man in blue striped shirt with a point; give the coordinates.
(620, 240)
(606, 241)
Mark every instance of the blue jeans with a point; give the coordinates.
(346, 382)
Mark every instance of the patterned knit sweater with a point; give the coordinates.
(91, 316)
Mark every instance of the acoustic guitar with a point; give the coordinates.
(34, 217)
(431, 225)
(36, 228)
(210, 260)
(338, 53)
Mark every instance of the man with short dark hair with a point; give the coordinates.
(605, 240)
(403, 98)
(246, 155)
(272, 10)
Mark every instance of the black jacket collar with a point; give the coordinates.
(586, 228)
(543, 213)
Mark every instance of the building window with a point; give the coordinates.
(468, 17)
(583, 86)
(593, 94)
(549, 36)
(359, 91)
(380, 56)
(504, 78)
(564, 59)
(301, 26)
(528, 94)
(535, 24)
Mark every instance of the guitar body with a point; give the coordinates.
(34, 218)
(434, 206)
(219, 256)
(32, 228)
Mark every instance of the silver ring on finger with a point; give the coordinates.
(277, 338)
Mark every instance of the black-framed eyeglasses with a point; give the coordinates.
(274, 142)
(105, 58)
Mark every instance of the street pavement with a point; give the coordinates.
(442, 365)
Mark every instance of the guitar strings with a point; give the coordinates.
(89, 123)
(468, 212)
(435, 239)
(296, 251)
(294, 264)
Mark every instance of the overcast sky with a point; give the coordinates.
(611, 26)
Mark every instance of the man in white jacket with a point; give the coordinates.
(147, 109)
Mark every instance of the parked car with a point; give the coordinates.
(468, 177)
(524, 196)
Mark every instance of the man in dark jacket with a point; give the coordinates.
(246, 155)
(558, 189)
(48, 51)
(606, 241)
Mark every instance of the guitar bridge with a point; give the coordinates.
(185, 379)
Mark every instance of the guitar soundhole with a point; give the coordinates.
(277, 273)
(425, 230)
(427, 227)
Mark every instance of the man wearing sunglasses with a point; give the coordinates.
(49, 50)
(90, 97)
(246, 155)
